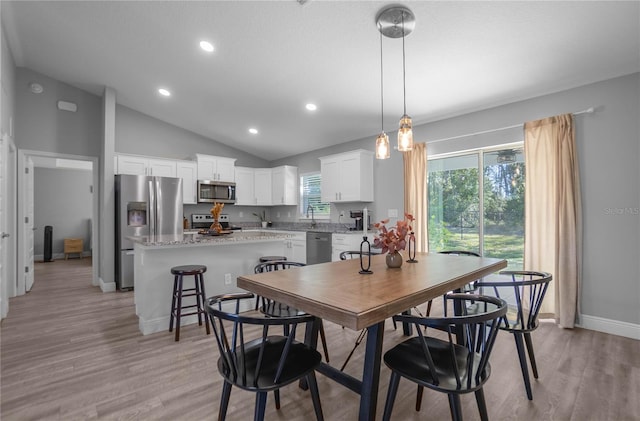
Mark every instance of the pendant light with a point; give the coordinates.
(382, 141)
(396, 22)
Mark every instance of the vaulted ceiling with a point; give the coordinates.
(271, 58)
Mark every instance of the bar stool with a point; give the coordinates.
(179, 292)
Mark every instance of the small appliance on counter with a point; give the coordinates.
(358, 215)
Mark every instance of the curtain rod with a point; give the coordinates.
(587, 111)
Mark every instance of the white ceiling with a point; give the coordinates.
(272, 57)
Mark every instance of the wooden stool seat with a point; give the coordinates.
(264, 259)
(179, 292)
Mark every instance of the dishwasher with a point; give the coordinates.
(318, 247)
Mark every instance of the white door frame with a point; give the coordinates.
(9, 244)
(23, 156)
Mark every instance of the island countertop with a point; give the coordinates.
(194, 239)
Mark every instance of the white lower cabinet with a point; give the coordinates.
(346, 242)
(294, 248)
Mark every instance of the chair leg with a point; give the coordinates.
(532, 357)
(224, 402)
(173, 303)
(523, 364)
(394, 380)
(359, 339)
(179, 308)
(198, 295)
(276, 396)
(419, 398)
(429, 307)
(482, 405)
(455, 407)
(261, 404)
(324, 341)
(315, 395)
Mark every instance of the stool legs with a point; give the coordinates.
(176, 303)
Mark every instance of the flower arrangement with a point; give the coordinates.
(394, 238)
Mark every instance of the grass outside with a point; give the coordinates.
(501, 246)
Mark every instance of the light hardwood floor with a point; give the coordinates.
(71, 352)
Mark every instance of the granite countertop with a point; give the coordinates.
(190, 239)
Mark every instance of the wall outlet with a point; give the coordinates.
(392, 213)
(277, 214)
(241, 214)
(288, 214)
(227, 279)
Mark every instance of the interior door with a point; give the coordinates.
(28, 226)
(3, 228)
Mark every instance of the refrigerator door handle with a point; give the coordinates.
(152, 208)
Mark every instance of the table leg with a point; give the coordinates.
(407, 328)
(371, 372)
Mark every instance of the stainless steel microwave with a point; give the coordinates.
(210, 191)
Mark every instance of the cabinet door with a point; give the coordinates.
(225, 169)
(262, 186)
(298, 251)
(244, 186)
(330, 183)
(188, 171)
(349, 170)
(206, 169)
(162, 167)
(284, 182)
(132, 165)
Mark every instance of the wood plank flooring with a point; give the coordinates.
(71, 352)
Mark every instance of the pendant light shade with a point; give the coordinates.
(382, 146)
(396, 22)
(405, 134)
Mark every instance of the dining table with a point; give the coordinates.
(338, 292)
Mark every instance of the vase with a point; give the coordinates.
(264, 224)
(394, 260)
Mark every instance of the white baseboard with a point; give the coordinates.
(613, 327)
(107, 286)
(59, 256)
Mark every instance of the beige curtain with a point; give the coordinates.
(415, 192)
(553, 219)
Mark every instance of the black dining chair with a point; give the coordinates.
(444, 365)
(524, 292)
(277, 309)
(466, 288)
(347, 255)
(256, 361)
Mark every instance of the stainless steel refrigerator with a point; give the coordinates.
(145, 206)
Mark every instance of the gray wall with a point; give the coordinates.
(8, 85)
(62, 199)
(137, 133)
(609, 156)
(40, 126)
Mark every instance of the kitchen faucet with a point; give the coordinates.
(313, 221)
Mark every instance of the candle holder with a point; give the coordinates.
(365, 244)
(412, 250)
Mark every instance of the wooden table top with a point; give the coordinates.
(335, 291)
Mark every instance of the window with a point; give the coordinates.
(310, 195)
(476, 203)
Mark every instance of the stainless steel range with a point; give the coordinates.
(204, 221)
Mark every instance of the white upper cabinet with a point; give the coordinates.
(262, 186)
(143, 165)
(284, 185)
(347, 177)
(253, 186)
(245, 186)
(216, 168)
(188, 171)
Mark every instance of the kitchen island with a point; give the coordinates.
(226, 258)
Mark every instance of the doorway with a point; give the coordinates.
(29, 162)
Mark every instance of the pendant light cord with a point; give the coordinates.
(381, 87)
(404, 84)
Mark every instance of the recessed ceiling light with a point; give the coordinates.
(311, 107)
(164, 92)
(36, 88)
(253, 131)
(206, 46)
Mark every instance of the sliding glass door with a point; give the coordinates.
(476, 203)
